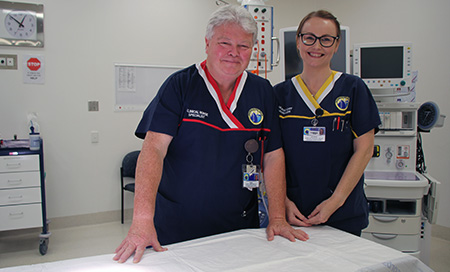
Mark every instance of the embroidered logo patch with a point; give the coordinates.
(342, 102)
(255, 116)
(284, 111)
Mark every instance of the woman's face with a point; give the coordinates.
(317, 56)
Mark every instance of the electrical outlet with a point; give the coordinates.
(8, 62)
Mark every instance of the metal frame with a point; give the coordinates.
(36, 8)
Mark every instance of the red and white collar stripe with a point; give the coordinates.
(226, 110)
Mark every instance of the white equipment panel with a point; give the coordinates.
(261, 59)
(395, 143)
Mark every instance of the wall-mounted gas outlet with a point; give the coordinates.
(8, 62)
(92, 105)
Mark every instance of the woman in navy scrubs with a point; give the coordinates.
(328, 122)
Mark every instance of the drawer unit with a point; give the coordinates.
(20, 180)
(20, 184)
(20, 217)
(22, 192)
(403, 242)
(19, 163)
(393, 224)
(20, 196)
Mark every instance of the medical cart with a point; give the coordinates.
(22, 191)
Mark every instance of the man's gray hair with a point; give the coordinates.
(232, 14)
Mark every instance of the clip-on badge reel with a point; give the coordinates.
(251, 173)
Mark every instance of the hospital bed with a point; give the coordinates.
(327, 249)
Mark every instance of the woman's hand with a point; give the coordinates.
(294, 216)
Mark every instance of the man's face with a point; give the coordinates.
(228, 51)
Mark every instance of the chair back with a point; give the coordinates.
(129, 164)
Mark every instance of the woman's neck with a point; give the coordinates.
(315, 78)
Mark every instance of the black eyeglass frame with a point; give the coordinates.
(335, 38)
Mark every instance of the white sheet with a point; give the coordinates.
(327, 249)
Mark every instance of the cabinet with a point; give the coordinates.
(22, 192)
(395, 223)
(396, 208)
(394, 189)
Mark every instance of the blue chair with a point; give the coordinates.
(128, 170)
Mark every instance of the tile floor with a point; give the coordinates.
(21, 247)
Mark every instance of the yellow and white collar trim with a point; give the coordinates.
(313, 102)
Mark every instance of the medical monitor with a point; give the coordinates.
(291, 63)
(383, 65)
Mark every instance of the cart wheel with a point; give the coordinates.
(43, 246)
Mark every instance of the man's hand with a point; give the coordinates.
(149, 166)
(279, 226)
(136, 242)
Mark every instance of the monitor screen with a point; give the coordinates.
(291, 63)
(382, 62)
(383, 65)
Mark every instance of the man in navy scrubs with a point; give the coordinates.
(209, 134)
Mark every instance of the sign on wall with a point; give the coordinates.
(33, 69)
(136, 85)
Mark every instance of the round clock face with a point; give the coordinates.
(21, 24)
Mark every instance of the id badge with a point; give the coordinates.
(314, 134)
(251, 175)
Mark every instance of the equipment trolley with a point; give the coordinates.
(22, 191)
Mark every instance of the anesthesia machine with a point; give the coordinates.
(402, 195)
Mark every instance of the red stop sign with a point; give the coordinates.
(33, 64)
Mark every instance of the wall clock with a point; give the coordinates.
(21, 24)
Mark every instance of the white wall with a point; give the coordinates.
(83, 40)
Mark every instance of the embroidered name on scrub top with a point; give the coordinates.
(315, 133)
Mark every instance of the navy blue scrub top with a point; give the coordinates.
(316, 162)
(201, 190)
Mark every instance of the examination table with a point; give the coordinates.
(327, 249)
